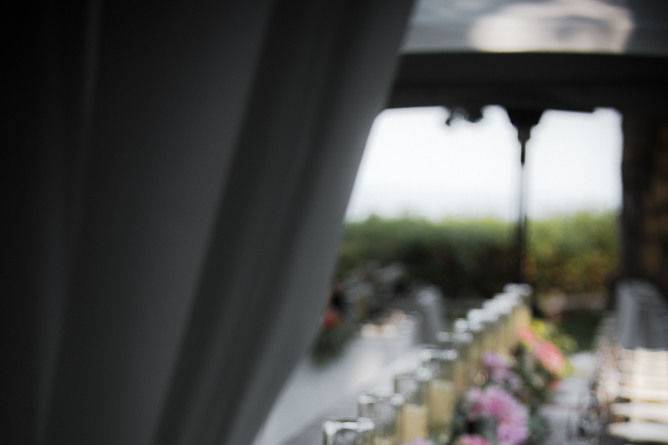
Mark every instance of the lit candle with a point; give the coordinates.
(414, 417)
(413, 423)
(384, 441)
(441, 401)
(459, 377)
(475, 351)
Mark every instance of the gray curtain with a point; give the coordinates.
(177, 175)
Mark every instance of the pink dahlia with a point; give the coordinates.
(528, 337)
(498, 368)
(472, 439)
(550, 356)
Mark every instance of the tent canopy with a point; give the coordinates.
(637, 27)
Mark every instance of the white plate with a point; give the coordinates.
(653, 412)
(640, 431)
(644, 394)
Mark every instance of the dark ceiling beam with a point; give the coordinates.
(578, 82)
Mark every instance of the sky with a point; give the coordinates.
(415, 165)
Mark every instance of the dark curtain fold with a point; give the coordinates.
(177, 174)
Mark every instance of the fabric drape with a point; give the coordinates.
(178, 174)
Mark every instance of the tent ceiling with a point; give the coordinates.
(559, 54)
(637, 27)
(578, 82)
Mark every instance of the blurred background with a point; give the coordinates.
(435, 206)
(442, 201)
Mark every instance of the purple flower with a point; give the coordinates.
(497, 367)
(509, 415)
(472, 439)
(494, 361)
(499, 371)
(512, 433)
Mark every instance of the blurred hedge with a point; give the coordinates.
(574, 254)
(475, 256)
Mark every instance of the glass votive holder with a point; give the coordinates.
(446, 340)
(496, 313)
(359, 431)
(522, 294)
(441, 394)
(384, 410)
(438, 360)
(475, 350)
(516, 318)
(489, 320)
(508, 334)
(462, 374)
(525, 309)
(414, 417)
(459, 340)
(476, 317)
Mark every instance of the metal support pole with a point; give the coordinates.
(522, 223)
(524, 121)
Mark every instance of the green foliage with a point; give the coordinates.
(457, 255)
(566, 342)
(475, 256)
(575, 254)
(582, 326)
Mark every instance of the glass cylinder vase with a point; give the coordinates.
(384, 410)
(359, 431)
(414, 417)
(461, 341)
(441, 394)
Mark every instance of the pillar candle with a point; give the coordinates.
(413, 423)
(441, 401)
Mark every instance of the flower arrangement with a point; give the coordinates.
(548, 331)
(540, 363)
(547, 346)
(509, 385)
(497, 415)
(501, 411)
(472, 439)
(499, 371)
(504, 409)
(550, 358)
